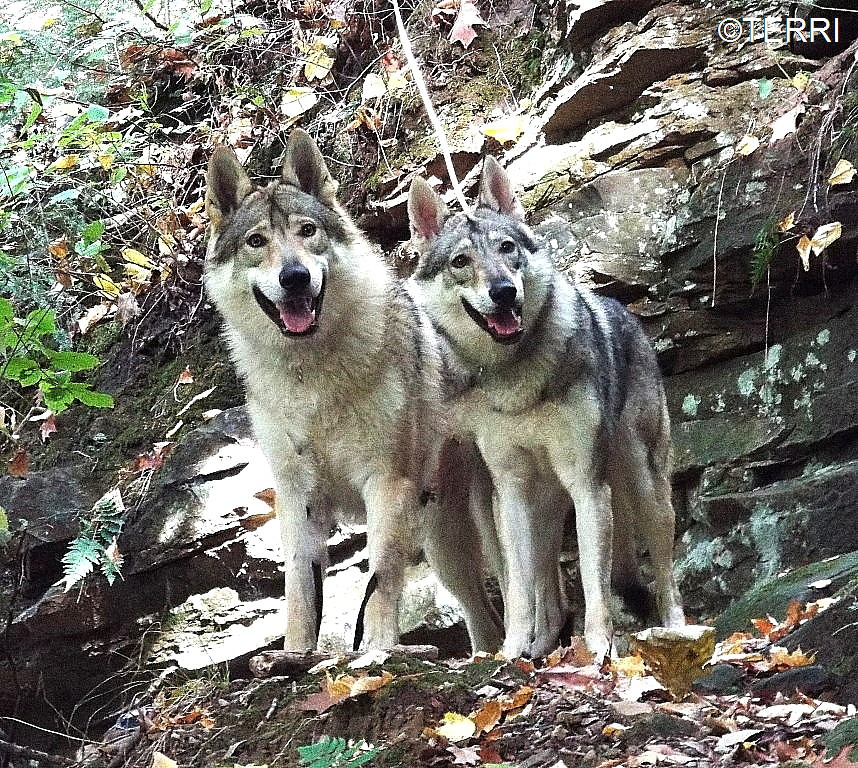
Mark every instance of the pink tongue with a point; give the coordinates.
(297, 315)
(503, 323)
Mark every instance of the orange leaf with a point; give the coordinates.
(48, 427)
(488, 716)
(186, 377)
(780, 657)
(267, 495)
(763, 626)
(19, 464)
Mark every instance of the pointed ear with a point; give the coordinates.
(496, 190)
(426, 213)
(226, 185)
(304, 167)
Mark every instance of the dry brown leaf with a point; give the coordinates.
(488, 716)
(92, 316)
(19, 464)
(185, 377)
(843, 173)
(787, 222)
(370, 683)
(782, 658)
(803, 247)
(160, 760)
(341, 686)
(840, 760)
(786, 124)
(319, 702)
(464, 755)
(267, 495)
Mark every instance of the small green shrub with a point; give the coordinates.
(337, 753)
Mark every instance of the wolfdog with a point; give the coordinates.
(562, 393)
(342, 371)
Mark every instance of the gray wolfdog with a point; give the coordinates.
(562, 393)
(342, 372)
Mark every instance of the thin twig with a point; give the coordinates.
(715, 236)
(15, 750)
(430, 110)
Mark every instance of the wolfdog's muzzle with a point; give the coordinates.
(298, 312)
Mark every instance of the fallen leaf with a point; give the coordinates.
(463, 27)
(19, 464)
(319, 702)
(456, 727)
(764, 626)
(64, 163)
(106, 285)
(787, 222)
(296, 101)
(505, 129)
(628, 666)
(821, 584)
(747, 144)
(676, 656)
(92, 316)
(825, 236)
(843, 173)
(803, 247)
(786, 124)
(464, 755)
(780, 657)
(324, 664)
(488, 716)
(800, 81)
(840, 760)
(47, 427)
(614, 730)
(267, 495)
(370, 683)
(729, 740)
(160, 760)
(59, 248)
(185, 377)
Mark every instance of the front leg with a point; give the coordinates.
(391, 512)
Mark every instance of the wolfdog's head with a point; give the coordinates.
(481, 274)
(270, 248)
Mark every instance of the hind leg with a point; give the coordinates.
(647, 493)
(550, 504)
(453, 542)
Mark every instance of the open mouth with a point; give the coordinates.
(294, 316)
(504, 325)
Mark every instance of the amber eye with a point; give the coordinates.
(460, 261)
(256, 240)
(308, 229)
(507, 246)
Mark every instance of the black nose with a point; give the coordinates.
(503, 294)
(294, 277)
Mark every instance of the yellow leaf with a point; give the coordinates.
(787, 222)
(843, 173)
(160, 760)
(139, 275)
(629, 666)
(370, 683)
(106, 161)
(803, 247)
(456, 727)
(505, 129)
(296, 101)
(747, 145)
(64, 163)
(134, 256)
(317, 64)
(106, 285)
(825, 236)
(676, 656)
(59, 248)
(801, 81)
(396, 81)
(342, 686)
(614, 730)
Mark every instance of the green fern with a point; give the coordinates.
(765, 246)
(95, 545)
(337, 753)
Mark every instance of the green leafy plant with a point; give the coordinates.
(27, 359)
(766, 244)
(337, 753)
(95, 545)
